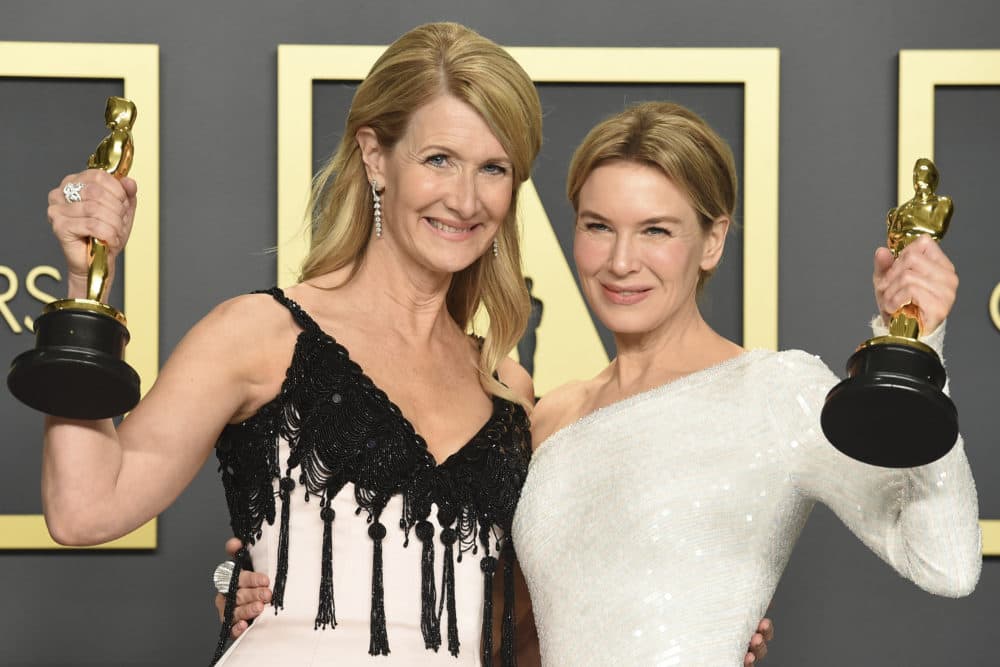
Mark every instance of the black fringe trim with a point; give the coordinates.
(448, 537)
(429, 625)
(343, 429)
(327, 612)
(489, 566)
(507, 653)
(281, 576)
(379, 643)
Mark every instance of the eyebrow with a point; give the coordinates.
(656, 220)
(451, 151)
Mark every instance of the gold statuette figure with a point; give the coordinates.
(927, 214)
(113, 155)
(77, 368)
(891, 410)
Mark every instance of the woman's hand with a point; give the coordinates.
(758, 643)
(251, 596)
(105, 211)
(922, 275)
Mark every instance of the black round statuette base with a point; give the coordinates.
(890, 411)
(76, 369)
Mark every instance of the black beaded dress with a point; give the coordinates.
(328, 484)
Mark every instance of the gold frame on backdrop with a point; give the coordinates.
(994, 306)
(137, 65)
(920, 72)
(576, 350)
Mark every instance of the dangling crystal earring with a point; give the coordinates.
(496, 248)
(377, 208)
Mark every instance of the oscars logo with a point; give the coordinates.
(27, 323)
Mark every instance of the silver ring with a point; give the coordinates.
(72, 192)
(222, 575)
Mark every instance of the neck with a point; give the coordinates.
(397, 295)
(682, 346)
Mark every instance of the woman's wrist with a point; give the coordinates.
(76, 287)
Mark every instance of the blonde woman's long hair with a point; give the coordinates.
(428, 61)
(673, 139)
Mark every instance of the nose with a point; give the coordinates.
(463, 199)
(624, 256)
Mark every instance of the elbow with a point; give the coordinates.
(965, 584)
(955, 586)
(62, 533)
(956, 578)
(966, 588)
(968, 565)
(73, 531)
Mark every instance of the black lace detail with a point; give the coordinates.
(342, 429)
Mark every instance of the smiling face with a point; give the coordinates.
(447, 186)
(640, 246)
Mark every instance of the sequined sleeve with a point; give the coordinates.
(921, 521)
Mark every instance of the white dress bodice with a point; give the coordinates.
(288, 636)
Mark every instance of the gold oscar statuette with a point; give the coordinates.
(77, 369)
(891, 410)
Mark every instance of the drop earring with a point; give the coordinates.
(377, 208)
(496, 248)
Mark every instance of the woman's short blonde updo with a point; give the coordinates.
(674, 140)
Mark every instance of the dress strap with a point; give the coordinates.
(300, 316)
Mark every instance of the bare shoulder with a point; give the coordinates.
(559, 408)
(246, 342)
(514, 376)
(242, 323)
(229, 364)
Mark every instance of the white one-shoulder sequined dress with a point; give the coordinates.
(654, 530)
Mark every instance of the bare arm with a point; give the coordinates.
(99, 483)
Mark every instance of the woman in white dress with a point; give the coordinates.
(665, 495)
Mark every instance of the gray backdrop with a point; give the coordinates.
(837, 604)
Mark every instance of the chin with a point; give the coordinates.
(627, 323)
(454, 262)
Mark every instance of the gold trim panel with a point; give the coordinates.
(920, 72)
(138, 66)
(757, 69)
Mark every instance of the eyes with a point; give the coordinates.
(651, 230)
(495, 169)
(442, 160)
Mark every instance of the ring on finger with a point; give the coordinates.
(223, 573)
(73, 192)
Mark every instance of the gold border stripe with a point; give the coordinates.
(756, 68)
(28, 531)
(138, 66)
(920, 72)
